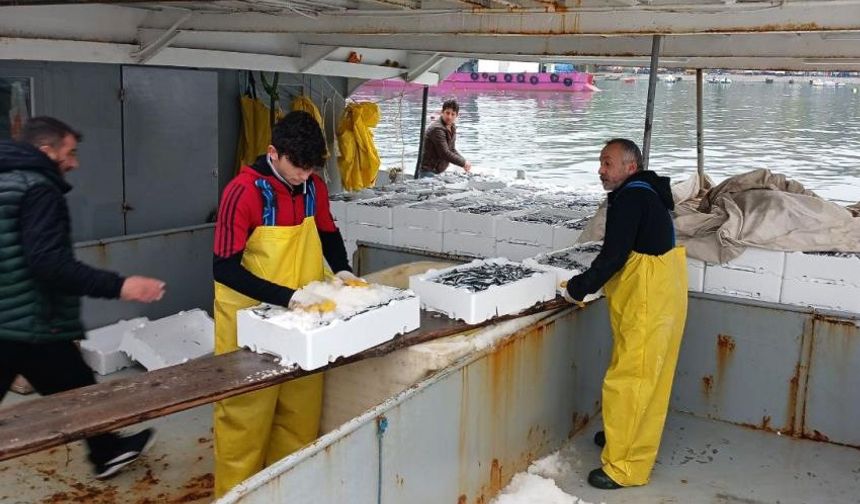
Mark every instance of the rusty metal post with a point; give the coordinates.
(423, 126)
(649, 108)
(700, 131)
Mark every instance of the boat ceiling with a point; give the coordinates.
(430, 38)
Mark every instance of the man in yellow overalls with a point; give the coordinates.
(274, 229)
(644, 276)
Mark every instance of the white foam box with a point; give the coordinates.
(313, 349)
(338, 210)
(475, 307)
(429, 214)
(368, 233)
(171, 340)
(822, 281)
(519, 231)
(519, 251)
(468, 244)
(565, 235)
(100, 349)
(755, 274)
(565, 273)
(365, 212)
(418, 238)
(463, 221)
(695, 275)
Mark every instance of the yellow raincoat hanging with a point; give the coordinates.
(305, 104)
(256, 132)
(358, 160)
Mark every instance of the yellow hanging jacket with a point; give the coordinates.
(256, 132)
(358, 161)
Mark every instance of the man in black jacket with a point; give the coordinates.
(644, 276)
(440, 143)
(41, 282)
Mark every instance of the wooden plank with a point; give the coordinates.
(51, 421)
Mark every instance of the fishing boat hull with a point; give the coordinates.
(560, 82)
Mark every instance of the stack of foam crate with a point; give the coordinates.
(471, 230)
(528, 233)
(828, 280)
(421, 225)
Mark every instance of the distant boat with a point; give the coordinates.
(768, 80)
(565, 82)
(670, 79)
(822, 83)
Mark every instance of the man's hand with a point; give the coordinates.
(142, 289)
(467, 167)
(310, 302)
(567, 297)
(350, 280)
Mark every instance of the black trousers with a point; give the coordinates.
(51, 368)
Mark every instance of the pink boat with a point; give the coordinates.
(564, 82)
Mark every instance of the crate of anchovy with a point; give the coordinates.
(353, 319)
(531, 227)
(565, 234)
(568, 262)
(483, 289)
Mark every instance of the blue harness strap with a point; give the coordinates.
(638, 184)
(310, 198)
(270, 203)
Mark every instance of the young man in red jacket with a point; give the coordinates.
(273, 235)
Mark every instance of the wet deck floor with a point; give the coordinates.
(704, 461)
(177, 469)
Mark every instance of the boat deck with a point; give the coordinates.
(178, 468)
(707, 461)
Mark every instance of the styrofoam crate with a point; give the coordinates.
(100, 349)
(582, 254)
(429, 214)
(695, 275)
(171, 340)
(418, 238)
(259, 330)
(514, 228)
(830, 281)
(475, 307)
(519, 251)
(477, 219)
(365, 212)
(566, 234)
(351, 247)
(468, 244)
(338, 210)
(821, 295)
(368, 233)
(828, 268)
(755, 274)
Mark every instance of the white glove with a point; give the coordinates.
(349, 279)
(567, 297)
(308, 301)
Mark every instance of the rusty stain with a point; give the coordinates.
(791, 413)
(765, 422)
(495, 477)
(577, 423)
(725, 348)
(707, 385)
(203, 440)
(818, 436)
(461, 499)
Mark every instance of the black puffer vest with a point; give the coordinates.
(30, 311)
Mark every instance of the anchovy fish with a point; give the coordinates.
(484, 276)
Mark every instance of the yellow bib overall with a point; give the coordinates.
(256, 429)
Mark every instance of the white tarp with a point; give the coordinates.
(755, 209)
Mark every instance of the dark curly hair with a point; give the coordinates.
(451, 104)
(298, 137)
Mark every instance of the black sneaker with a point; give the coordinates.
(127, 450)
(600, 438)
(599, 479)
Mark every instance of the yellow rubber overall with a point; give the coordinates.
(257, 429)
(647, 311)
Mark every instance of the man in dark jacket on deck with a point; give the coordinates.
(439, 143)
(644, 276)
(41, 282)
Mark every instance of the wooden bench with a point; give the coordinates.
(54, 420)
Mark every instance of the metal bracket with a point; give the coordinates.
(148, 51)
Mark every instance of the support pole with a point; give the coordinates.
(700, 131)
(423, 126)
(649, 108)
